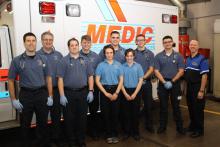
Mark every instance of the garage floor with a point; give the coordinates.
(10, 138)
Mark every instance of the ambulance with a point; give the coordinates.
(74, 18)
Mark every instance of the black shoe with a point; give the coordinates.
(94, 136)
(82, 145)
(137, 137)
(125, 137)
(181, 131)
(196, 134)
(190, 129)
(73, 145)
(161, 130)
(150, 129)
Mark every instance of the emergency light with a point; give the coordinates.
(46, 8)
(167, 18)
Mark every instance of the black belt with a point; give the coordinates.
(75, 89)
(33, 89)
(110, 86)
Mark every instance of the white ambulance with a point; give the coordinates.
(74, 18)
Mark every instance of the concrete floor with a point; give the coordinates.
(10, 138)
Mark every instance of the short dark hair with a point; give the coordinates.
(46, 33)
(129, 50)
(107, 47)
(86, 37)
(167, 37)
(140, 35)
(72, 39)
(27, 35)
(115, 32)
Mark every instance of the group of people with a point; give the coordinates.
(112, 82)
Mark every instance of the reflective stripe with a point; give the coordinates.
(4, 94)
(204, 71)
(192, 68)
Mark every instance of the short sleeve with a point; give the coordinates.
(157, 63)
(98, 71)
(13, 70)
(204, 66)
(89, 70)
(61, 68)
(152, 59)
(140, 72)
(121, 73)
(181, 64)
(48, 69)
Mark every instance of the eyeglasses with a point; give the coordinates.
(49, 40)
(142, 40)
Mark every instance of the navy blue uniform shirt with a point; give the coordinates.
(169, 66)
(145, 58)
(195, 67)
(75, 72)
(119, 55)
(32, 71)
(53, 58)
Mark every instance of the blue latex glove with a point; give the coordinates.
(168, 85)
(63, 100)
(50, 101)
(90, 97)
(17, 105)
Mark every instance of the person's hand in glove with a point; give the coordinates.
(168, 85)
(50, 101)
(90, 97)
(63, 100)
(17, 105)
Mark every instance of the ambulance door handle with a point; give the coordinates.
(6, 86)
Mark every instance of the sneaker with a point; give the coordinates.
(109, 140)
(115, 140)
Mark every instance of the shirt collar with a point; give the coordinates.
(106, 61)
(25, 56)
(80, 56)
(43, 52)
(84, 54)
(126, 64)
(145, 50)
(198, 54)
(164, 53)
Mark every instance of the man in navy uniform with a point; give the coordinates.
(75, 79)
(169, 68)
(119, 50)
(93, 120)
(196, 71)
(32, 70)
(53, 56)
(145, 57)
